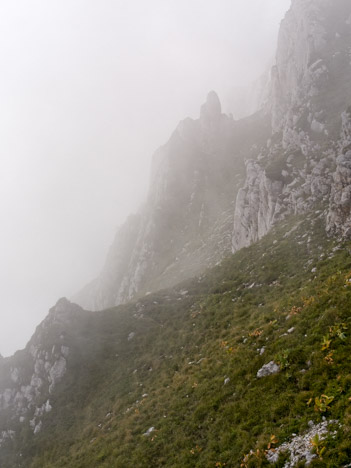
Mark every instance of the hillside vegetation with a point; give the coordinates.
(171, 379)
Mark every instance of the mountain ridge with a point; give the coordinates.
(290, 149)
(185, 224)
(169, 379)
(212, 359)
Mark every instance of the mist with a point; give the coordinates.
(88, 92)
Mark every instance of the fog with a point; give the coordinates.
(88, 90)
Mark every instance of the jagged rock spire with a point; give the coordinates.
(212, 108)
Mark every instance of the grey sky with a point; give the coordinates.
(88, 90)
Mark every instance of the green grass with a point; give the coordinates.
(184, 348)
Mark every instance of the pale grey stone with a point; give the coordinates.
(268, 369)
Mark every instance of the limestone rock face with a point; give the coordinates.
(257, 206)
(305, 162)
(339, 218)
(29, 378)
(339, 215)
(312, 66)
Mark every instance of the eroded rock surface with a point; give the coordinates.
(268, 369)
(300, 447)
(306, 162)
(29, 378)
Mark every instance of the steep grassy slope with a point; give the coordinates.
(184, 361)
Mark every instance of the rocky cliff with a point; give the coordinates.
(203, 203)
(28, 379)
(186, 222)
(304, 165)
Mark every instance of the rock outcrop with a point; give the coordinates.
(257, 206)
(268, 369)
(312, 67)
(300, 448)
(339, 216)
(29, 378)
(305, 164)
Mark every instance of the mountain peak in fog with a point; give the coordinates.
(212, 108)
(278, 183)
